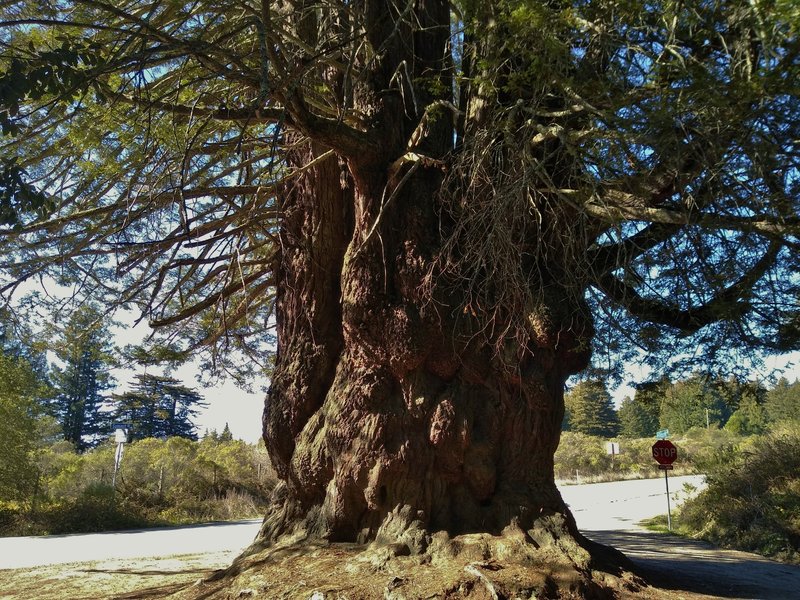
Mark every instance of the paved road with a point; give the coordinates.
(620, 505)
(608, 513)
(605, 512)
(596, 506)
(24, 552)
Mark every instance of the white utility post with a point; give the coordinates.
(121, 437)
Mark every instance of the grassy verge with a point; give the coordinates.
(752, 498)
(658, 524)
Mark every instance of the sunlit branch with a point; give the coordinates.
(612, 213)
(233, 287)
(253, 115)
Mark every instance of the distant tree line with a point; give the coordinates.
(63, 373)
(57, 409)
(742, 407)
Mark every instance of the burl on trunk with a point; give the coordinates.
(392, 412)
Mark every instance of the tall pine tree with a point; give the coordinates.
(159, 406)
(84, 349)
(591, 410)
(783, 402)
(637, 419)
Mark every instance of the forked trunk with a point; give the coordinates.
(416, 405)
(392, 414)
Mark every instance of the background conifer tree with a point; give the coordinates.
(783, 401)
(83, 348)
(637, 419)
(591, 409)
(158, 406)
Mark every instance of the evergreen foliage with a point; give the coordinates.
(746, 400)
(637, 419)
(17, 340)
(693, 402)
(591, 409)
(84, 349)
(783, 401)
(226, 435)
(158, 407)
(20, 411)
(750, 418)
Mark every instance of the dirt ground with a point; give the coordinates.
(119, 578)
(324, 573)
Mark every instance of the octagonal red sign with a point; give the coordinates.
(665, 452)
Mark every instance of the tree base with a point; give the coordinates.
(543, 562)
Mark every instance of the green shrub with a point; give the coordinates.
(752, 501)
(160, 482)
(96, 509)
(700, 446)
(582, 454)
(9, 515)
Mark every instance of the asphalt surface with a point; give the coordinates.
(605, 512)
(608, 513)
(620, 505)
(604, 506)
(25, 552)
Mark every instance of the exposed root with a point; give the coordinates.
(472, 569)
(543, 562)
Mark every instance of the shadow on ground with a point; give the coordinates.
(674, 563)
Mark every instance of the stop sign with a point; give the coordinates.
(665, 452)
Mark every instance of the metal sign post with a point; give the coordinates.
(665, 454)
(666, 483)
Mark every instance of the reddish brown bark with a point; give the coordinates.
(384, 402)
(392, 413)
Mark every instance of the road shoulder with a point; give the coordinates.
(116, 578)
(675, 563)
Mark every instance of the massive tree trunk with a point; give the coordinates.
(401, 410)
(394, 419)
(391, 414)
(398, 405)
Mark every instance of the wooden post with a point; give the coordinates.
(35, 492)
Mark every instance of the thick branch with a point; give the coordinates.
(613, 212)
(729, 303)
(333, 133)
(607, 258)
